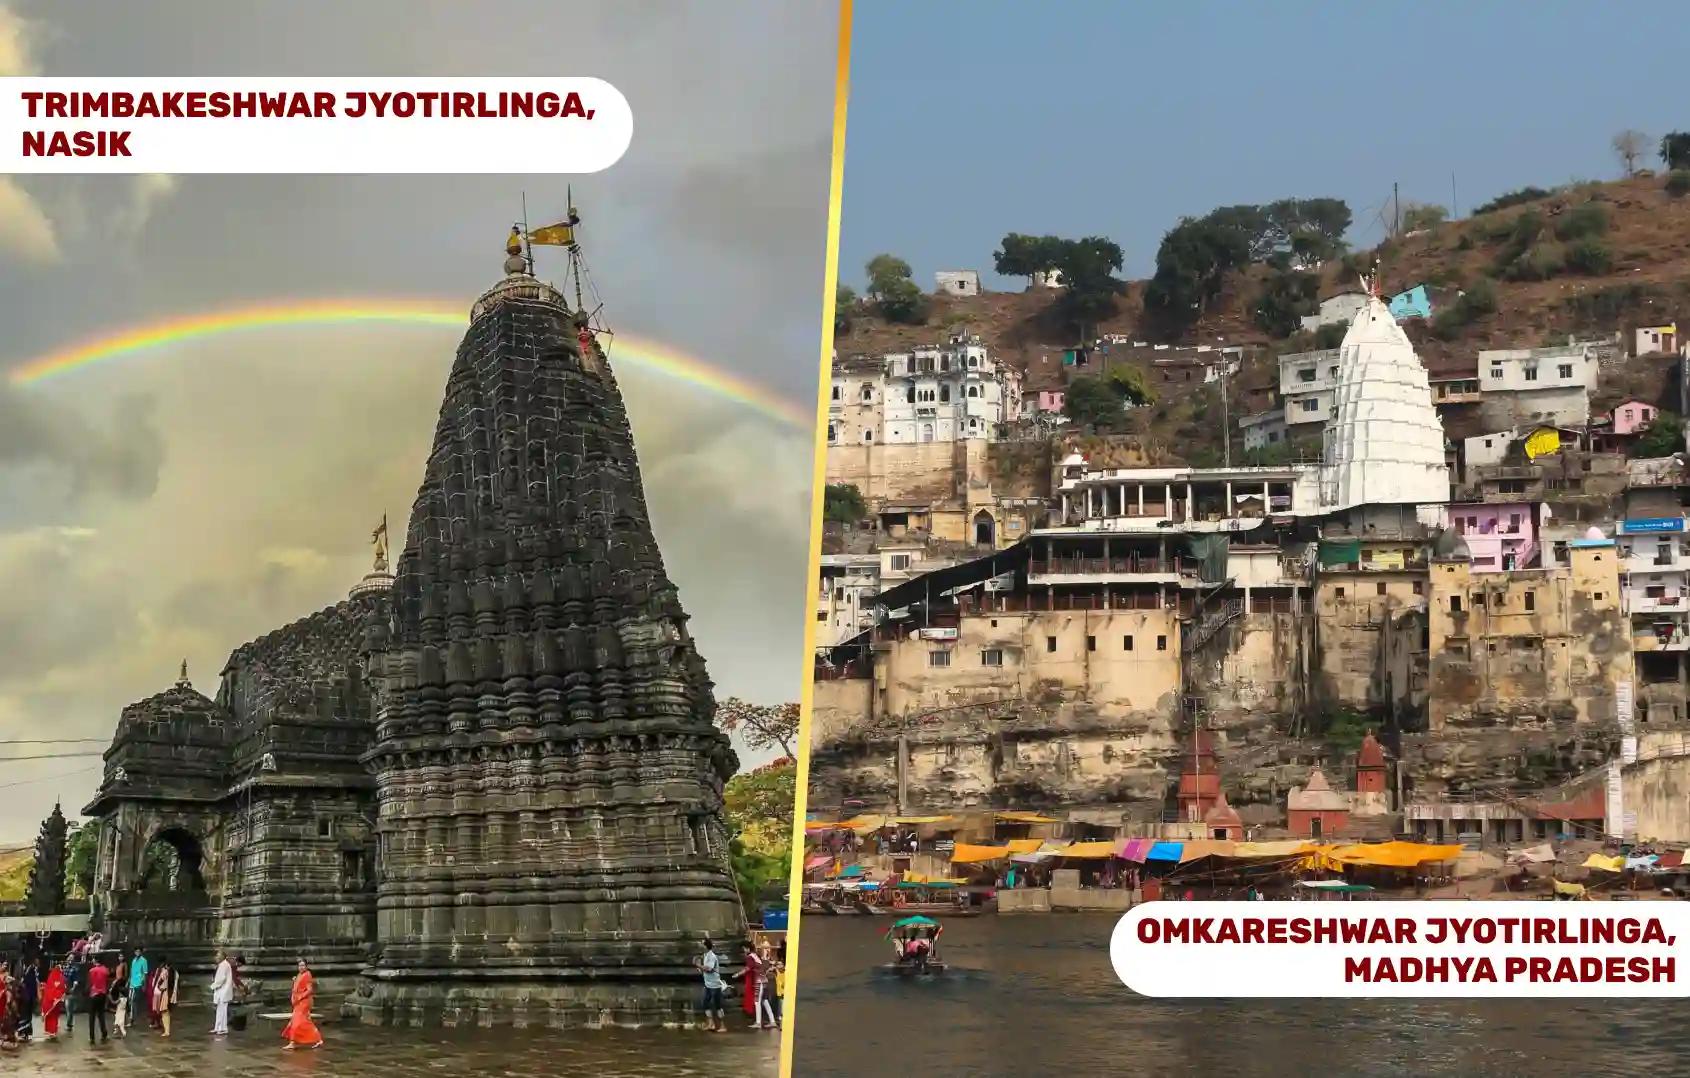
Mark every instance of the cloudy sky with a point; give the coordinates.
(180, 502)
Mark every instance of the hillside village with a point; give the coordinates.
(1414, 562)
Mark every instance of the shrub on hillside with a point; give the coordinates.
(1590, 257)
(1583, 221)
(1539, 262)
(1512, 198)
(1678, 182)
(1477, 301)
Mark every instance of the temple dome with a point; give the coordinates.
(1384, 444)
(1593, 532)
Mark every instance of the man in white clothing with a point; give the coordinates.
(222, 993)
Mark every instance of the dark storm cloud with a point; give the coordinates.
(119, 454)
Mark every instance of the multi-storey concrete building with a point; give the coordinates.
(1520, 386)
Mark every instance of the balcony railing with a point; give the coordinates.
(1111, 566)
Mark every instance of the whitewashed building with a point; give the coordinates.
(1384, 444)
(1307, 381)
(1263, 429)
(1655, 581)
(957, 282)
(1336, 310)
(940, 393)
(844, 604)
(1552, 386)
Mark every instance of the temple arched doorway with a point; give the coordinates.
(985, 529)
(173, 863)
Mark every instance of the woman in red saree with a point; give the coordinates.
(750, 976)
(53, 1001)
(300, 1030)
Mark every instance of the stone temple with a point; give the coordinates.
(486, 789)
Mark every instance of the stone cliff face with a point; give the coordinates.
(548, 776)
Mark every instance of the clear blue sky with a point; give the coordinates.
(969, 120)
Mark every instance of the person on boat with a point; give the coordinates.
(300, 1030)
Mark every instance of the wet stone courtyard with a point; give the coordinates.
(353, 1049)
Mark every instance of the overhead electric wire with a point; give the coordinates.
(47, 778)
(49, 756)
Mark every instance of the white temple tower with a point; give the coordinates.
(1384, 444)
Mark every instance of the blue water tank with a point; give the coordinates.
(774, 919)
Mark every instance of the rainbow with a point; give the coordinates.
(153, 336)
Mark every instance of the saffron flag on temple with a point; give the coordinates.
(558, 235)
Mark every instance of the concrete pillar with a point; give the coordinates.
(903, 773)
(1168, 499)
(1190, 502)
(1141, 499)
(1229, 502)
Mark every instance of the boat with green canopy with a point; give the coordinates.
(915, 948)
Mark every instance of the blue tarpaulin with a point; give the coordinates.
(1165, 851)
(852, 870)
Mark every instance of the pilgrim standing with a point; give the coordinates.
(222, 993)
(98, 979)
(53, 995)
(300, 1029)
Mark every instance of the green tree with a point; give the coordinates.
(1675, 149)
(1421, 215)
(1284, 300)
(901, 300)
(1191, 267)
(882, 270)
(1026, 256)
(1678, 182)
(758, 806)
(81, 850)
(844, 302)
(1088, 270)
(1090, 402)
(1664, 437)
(842, 503)
(1129, 384)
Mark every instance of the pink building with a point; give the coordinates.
(1501, 536)
(1050, 400)
(1633, 416)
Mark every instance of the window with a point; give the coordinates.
(832, 432)
(1419, 587)
(325, 828)
(1126, 643)
(1531, 374)
(837, 394)
(938, 658)
(1161, 643)
(1513, 522)
(1379, 588)
(1306, 374)
(900, 561)
(1333, 371)
(1531, 601)
(1338, 592)
(1565, 370)
(1050, 643)
(945, 392)
(868, 436)
(1496, 370)
(821, 615)
(1091, 643)
(1455, 604)
(909, 395)
(868, 393)
(991, 657)
(1311, 405)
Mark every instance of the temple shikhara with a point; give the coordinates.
(486, 787)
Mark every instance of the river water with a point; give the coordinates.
(1029, 995)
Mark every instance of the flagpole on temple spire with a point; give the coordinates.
(527, 247)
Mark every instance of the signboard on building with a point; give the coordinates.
(1652, 524)
(1386, 559)
(1003, 582)
(937, 634)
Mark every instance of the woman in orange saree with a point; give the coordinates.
(300, 1030)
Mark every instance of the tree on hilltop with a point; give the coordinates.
(1027, 256)
(898, 297)
(1675, 149)
(1630, 146)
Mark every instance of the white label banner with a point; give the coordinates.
(312, 125)
(1331, 949)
